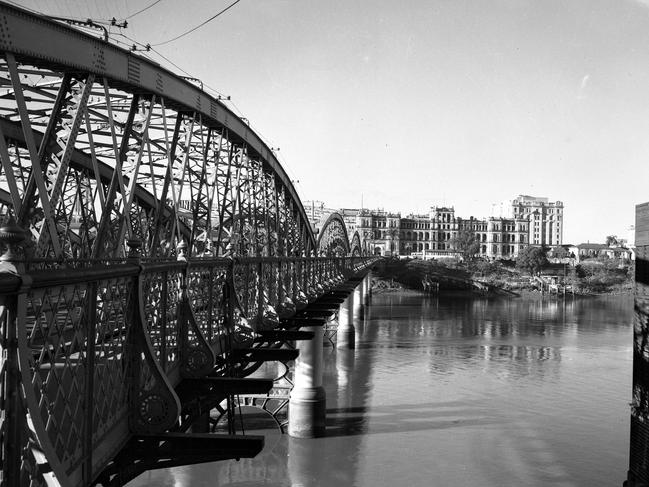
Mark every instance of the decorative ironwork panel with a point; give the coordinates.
(20, 451)
(205, 289)
(161, 298)
(246, 279)
(55, 319)
(72, 367)
(110, 384)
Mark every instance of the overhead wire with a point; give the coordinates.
(145, 48)
(199, 25)
(144, 9)
(150, 47)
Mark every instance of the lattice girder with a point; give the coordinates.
(212, 181)
(332, 238)
(356, 249)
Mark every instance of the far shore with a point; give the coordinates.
(383, 286)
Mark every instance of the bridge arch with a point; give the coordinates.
(332, 237)
(100, 145)
(356, 247)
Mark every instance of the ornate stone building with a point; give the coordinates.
(433, 235)
(380, 230)
(523, 221)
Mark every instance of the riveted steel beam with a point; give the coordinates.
(69, 50)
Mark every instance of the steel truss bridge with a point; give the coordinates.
(155, 253)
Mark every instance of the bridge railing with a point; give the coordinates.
(92, 353)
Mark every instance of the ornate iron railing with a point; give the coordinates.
(93, 353)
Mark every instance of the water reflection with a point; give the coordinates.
(414, 318)
(448, 391)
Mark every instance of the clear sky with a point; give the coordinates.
(407, 104)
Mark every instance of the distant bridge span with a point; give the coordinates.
(155, 252)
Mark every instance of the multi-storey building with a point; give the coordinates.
(545, 217)
(350, 217)
(433, 235)
(523, 221)
(380, 230)
(315, 210)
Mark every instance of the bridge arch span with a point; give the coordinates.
(332, 237)
(137, 128)
(356, 247)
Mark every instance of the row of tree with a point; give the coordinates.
(597, 276)
(532, 259)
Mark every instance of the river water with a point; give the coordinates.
(460, 391)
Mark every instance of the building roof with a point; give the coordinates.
(592, 246)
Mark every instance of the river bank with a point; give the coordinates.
(592, 278)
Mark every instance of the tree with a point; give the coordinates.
(532, 259)
(560, 252)
(611, 240)
(466, 243)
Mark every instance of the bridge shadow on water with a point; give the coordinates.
(403, 418)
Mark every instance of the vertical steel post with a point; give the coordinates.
(12, 417)
(91, 314)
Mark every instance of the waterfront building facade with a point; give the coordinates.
(433, 235)
(545, 217)
(380, 230)
(525, 220)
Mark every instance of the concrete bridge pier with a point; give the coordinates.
(346, 334)
(358, 302)
(307, 404)
(344, 373)
(305, 462)
(361, 286)
(367, 289)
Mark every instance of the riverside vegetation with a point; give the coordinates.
(590, 276)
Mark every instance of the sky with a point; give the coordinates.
(403, 105)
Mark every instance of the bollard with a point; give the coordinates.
(307, 404)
